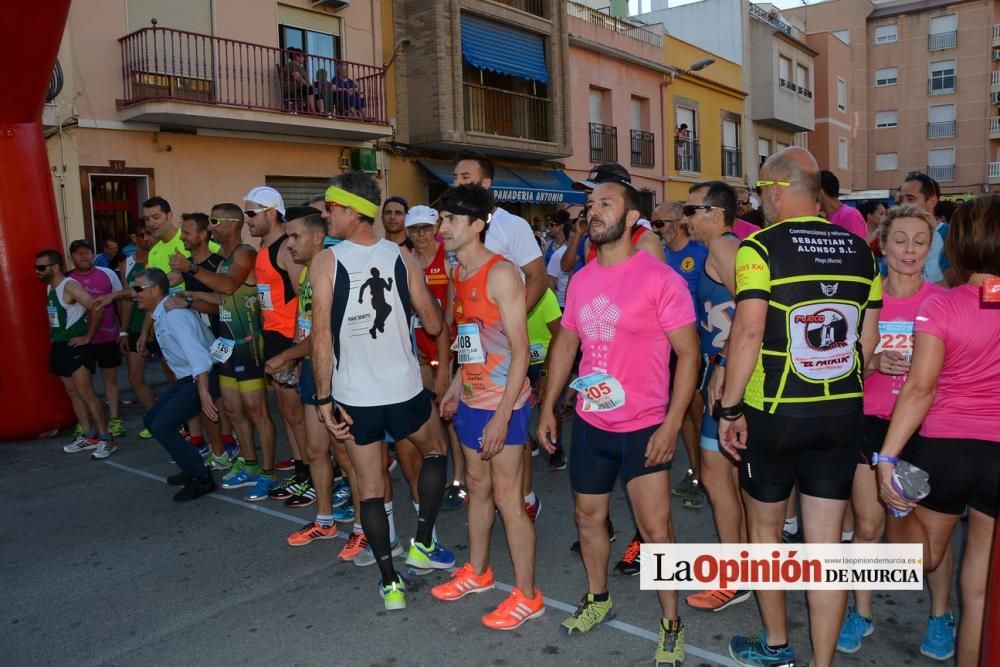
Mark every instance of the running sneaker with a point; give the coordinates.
(356, 543)
(145, 434)
(716, 600)
(684, 486)
(240, 479)
(285, 466)
(533, 509)
(515, 610)
(310, 532)
(575, 548)
(232, 449)
(204, 450)
(105, 448)
(305, 497)
(792, 538)
(265, 484)
(394, 594)
(535, 448)
(367, 556)
(288, 487)
(341, 494)
(589, 612)
(854, 628)
(116, 428)
(344, 514)
(557, 461)
(81, 444)
(433, 557)
(239, 463)
(629, 564)
(670, 647)
(464, 580)
(220, 462)
(695, 498)
(753, 651)
(455, 497)
(939, 640)
(391, 463)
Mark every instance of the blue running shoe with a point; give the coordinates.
(434, 557)
(344, 514)
(265, 484)
(341, 495)
(232, 450)
(753, 651)
(939, 640)
(241, 478)
(855, 628)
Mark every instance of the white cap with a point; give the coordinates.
(267, 196)
(754, 202)
(421, 215)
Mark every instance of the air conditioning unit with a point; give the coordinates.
(334, 5)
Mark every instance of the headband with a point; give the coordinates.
(351, 200)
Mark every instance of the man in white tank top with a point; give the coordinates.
(367, 376)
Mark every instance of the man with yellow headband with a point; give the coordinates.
(365, 291)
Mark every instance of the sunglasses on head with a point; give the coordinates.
(691, 209)
(215, 222)
(252, 212)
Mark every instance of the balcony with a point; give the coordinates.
(805, 92)
(536, 7)
(770, 19)
(942, 173)
(185, 79)
(993, 172)
(996, 34)
(995, 81)
(643, 153)
(687, 155)
(941, 130)
(505, 113)
(598, 18)
(732, 162)
(941, 85)
(603, 143)
(995, 127)
(942, 40)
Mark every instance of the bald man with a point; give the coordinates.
(807, 292)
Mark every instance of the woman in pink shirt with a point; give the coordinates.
(905, 235)
(952, 395)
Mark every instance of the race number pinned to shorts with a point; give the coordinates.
(303, 328)
(823, 337)
(53, 317)
(537, 353)
(468, 345)
(264, 295)
(895, 337)
(601, 392)
(222, 349)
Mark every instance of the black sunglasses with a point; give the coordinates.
(660, 224)
(691, 209)
(42, 267)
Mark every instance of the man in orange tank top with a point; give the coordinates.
(489, 401)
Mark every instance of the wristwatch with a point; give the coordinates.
(322, 401)
(189, 300)
(878, 458)
(730, 414)
(194, 267)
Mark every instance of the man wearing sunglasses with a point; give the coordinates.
(808, 294)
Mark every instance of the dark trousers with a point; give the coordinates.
(179, 403)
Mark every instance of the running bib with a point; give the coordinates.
(601, 392)
(822, 337)
(537, 353)
(468, 345)
(225, 315)
(304, 328)
(53, 317)
(895, 337)
(221, 349)
(264, 294)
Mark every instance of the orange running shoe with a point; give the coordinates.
(515, 610)
(464, 581)
(356, 543)
(311, 531)
(716, 600)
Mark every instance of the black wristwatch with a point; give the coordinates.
(730, 414)
(322, 401)
(189, 300)
(194, 268)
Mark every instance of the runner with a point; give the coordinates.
(543, 325)
(394, 211)
(71, 331)
(921, 190)
(375, 381)
(643, 237)
(806, 323)
(489, 402)
(626, 424)
(132, 317)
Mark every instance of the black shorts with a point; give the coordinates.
(65, 360)
(245, 364)
(599, 456)
(399, 420)
(963, 473)
(152, 347)
(820, 453)
(275, 343)
(876, 429)
(107, 355)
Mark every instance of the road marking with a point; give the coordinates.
(549, 602)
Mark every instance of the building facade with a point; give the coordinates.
(830, 141)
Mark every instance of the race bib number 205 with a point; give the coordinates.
(601, 392)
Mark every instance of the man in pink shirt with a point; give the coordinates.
(843, 216)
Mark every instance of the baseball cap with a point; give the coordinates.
(267, 196)
(609, 172)
(421, 215)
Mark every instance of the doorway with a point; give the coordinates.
(111, 200)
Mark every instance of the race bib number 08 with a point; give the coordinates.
(469, 345)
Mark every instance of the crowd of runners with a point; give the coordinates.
(797, 360)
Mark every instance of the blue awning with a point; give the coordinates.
(500, 48)
(520, 186)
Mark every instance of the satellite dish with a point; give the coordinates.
(55, 83)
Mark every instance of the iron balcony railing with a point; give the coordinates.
(167, 64)
(603, 143)
(536, 7)
(993, 171)
(770, 19)
(942, 129)
(942, 40)
(506, 113)
(599, 18)
(994, 126)
(643, 153)
(942, 173)
(732, 162)
(687, 155)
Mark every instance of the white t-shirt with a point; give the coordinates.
(562, 278)
(511, 236)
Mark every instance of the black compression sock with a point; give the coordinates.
(431, 485)
(601, 597)
(301, 468)
(375, 523)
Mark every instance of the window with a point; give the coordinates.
(942, 78)
(842, 148)
(888, 76)
(941, 164)
(779, 146)
(841, 94)
(639, 112)
(802, 80)
(732, 162)
(843, 35)
(297, 191)
(597, 105)
(885, 119)
(943, 24)
(886, 162)
(784, 71)
(642, 141)
(941, 121)
(687, 152)
(763, 150)
(886, 34)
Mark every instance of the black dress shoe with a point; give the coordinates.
(180, 479)
(195, 488)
